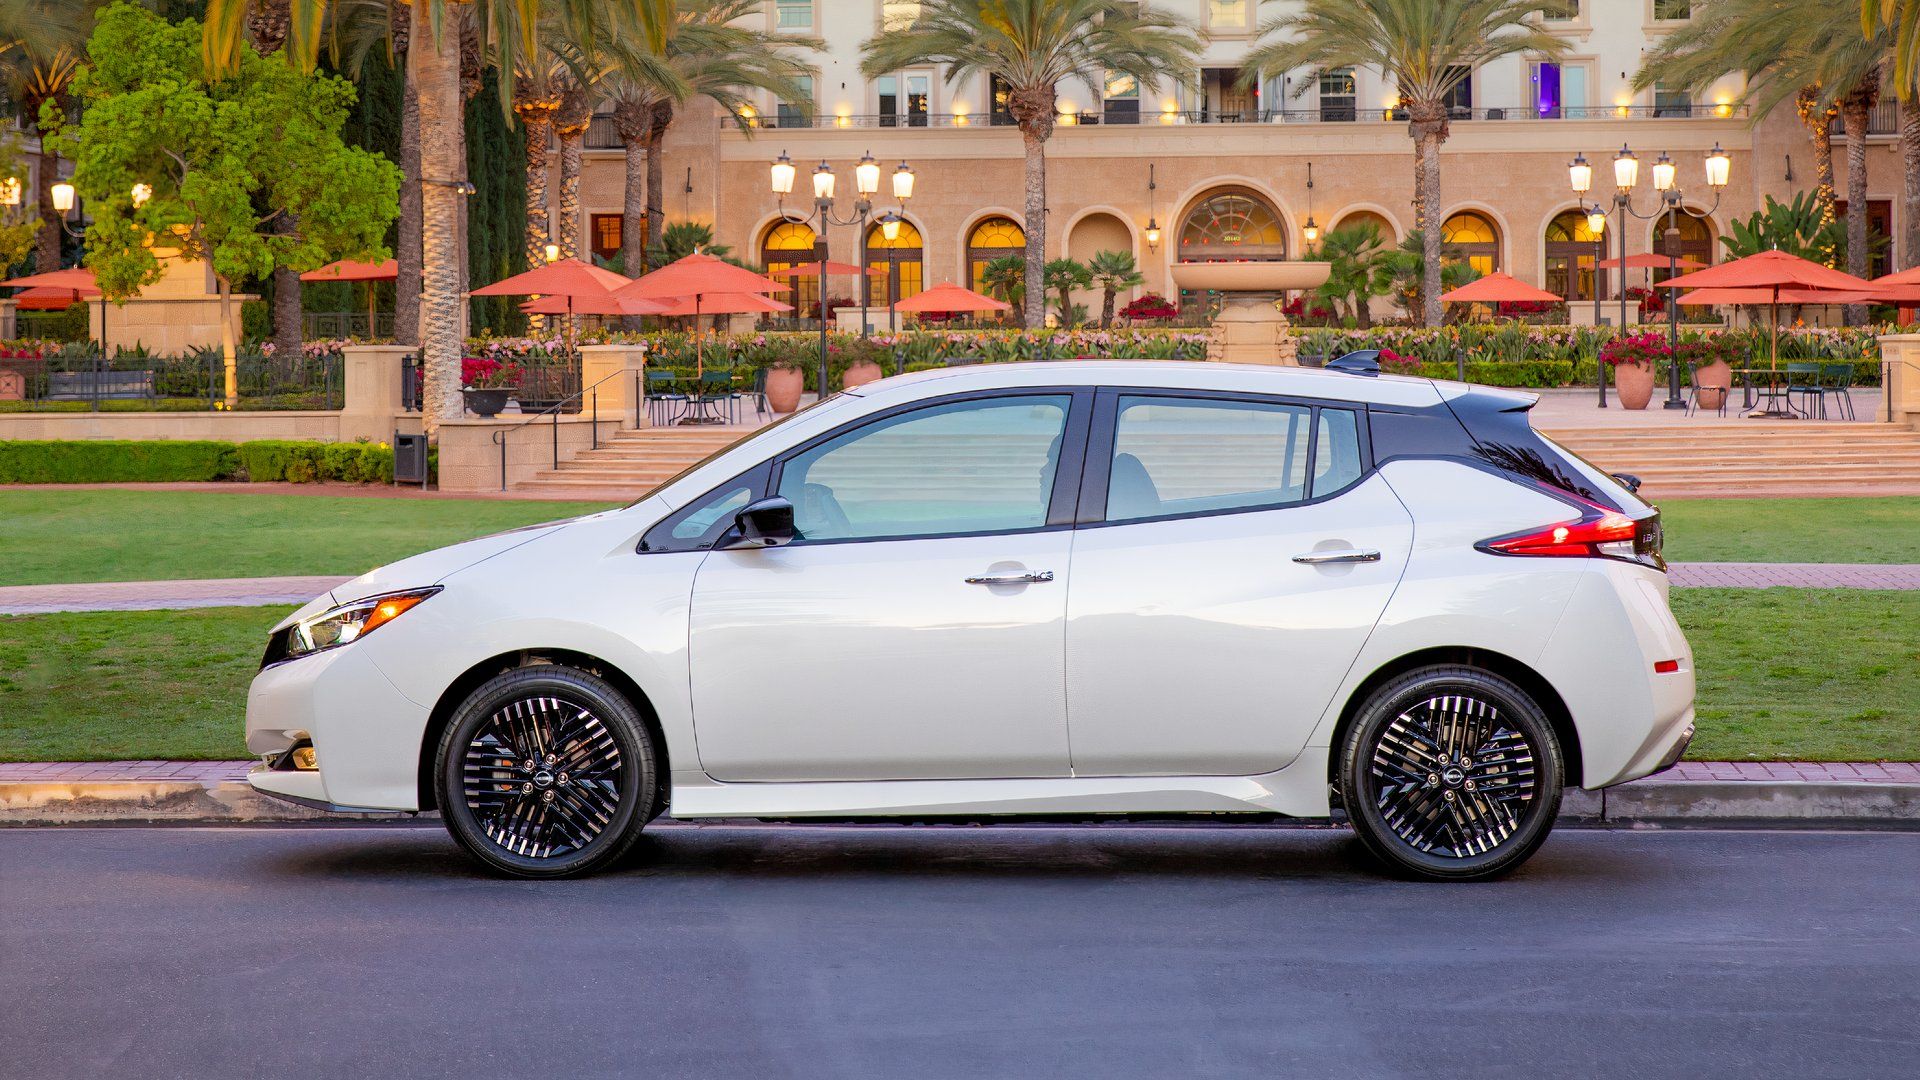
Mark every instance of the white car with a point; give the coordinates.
(1081, 588)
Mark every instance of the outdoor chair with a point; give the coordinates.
(716, 389)
(1836, 381)
(759, 393)
(662, 398)
(1804, 379)
(1693, 394)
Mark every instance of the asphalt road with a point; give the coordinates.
(932, 953)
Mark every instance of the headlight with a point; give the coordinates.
(340, 626)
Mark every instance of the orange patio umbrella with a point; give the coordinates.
(1498, 288)
(947, 296)
(593, 305)
(722, 304)
(354, 270)
(1705, 297)
(1648, 260)
(694, 278)
(46, 299)
(58, 290)
(567, 278)
(1776, 273)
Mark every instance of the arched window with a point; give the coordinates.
(1358, 218)
(1477, 241)
(1696, 242)
(1572, 250)
(786, 245)
(993, 238)
(901, 261)
(1232, 226)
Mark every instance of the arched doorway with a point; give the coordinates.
(900, 261)
(1087, 239)
(786, 245)
(1232, 225)
(1696, 241)
(1362, 218)
(1572, 249)
(1476, 239)
(993, 238)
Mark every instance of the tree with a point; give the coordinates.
(1063, 276)
(1426, 47)
(1005, 279)
(1797, 228)
(1113, 271)
(223, 161)
(1362, 268)
(1031, 47)
(704, 53)
(1808, 50)
(41, 48)
(1407, 265)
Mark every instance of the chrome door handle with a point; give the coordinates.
(1338, 555)
(1033, 578)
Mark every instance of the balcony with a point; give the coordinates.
(1884, 120)
(1329, 113)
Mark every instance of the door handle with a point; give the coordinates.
(1337, 555)
(1033, 578)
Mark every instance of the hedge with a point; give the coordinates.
(110, 461)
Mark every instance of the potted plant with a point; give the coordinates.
(1712, 375)
(1634, 358)
(486, 384)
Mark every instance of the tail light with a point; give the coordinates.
(1598, 533)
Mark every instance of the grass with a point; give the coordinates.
(115, 534)
(1879, 530)
(1807, 674)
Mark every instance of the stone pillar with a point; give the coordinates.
(9, 325)
(1251, 330)
(373, 393)
(617, 397)
(1900, 377)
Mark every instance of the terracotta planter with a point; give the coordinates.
(861, 374)
(783, 389)
(486, 403)
(1711, 382)
(1635, 383)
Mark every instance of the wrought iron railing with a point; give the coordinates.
(1327, 113)
(587, 398)
(135, 381)
(323, 325)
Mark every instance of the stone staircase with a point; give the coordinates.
(630, 463)
(1755, 459)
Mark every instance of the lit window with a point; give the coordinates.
(794, 14)
(899, 14)
(1227, 14)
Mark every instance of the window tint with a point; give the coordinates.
(1188, 456)
(984, 465)
(1336, 454)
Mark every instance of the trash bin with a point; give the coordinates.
(410, 459)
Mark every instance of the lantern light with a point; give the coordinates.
(823, 182)
(553, 252)
(890, 227)
(1626, 169)
(1153, 235)
(1663, 172)
(903, 182)
(1581, 174)
(783, 174)
(141, 193)
(1596, 220)
(10, 191)
(1312, 230)
(62, 197)
(866, 176)
(1719, 167)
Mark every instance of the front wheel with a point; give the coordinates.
(546, 772)
(1451, 773)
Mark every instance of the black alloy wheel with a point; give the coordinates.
(1451, 774)
(546, 771)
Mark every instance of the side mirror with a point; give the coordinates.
(763, 524)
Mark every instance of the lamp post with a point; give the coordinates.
(1626, 176)
(866, 179)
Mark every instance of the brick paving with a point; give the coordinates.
(158, 595)
(1890, 772)
(1796, 575)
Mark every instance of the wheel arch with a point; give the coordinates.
(1519, 673)
(458, 690)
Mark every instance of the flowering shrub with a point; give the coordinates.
(1297, 309)
(1150, 306)
(1640, 350)
(486, 373)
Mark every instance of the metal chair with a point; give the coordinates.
(759, 393)
(1693, 393)
(1836, 380)
(1804, 379)
(662, 398)
(716, 389)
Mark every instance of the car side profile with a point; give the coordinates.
(1078, 588)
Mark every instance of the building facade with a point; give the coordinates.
(1215, 170)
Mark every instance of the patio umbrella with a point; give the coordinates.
(1776, 273)
(1498, 288)
(824, 269)
(43, 298)
(694, 278)
(593, 305)
(947, 296)
(568, 278)
(722, 304)
(354, 270)
(1704, 297)
(74, 283)
(1648, 260)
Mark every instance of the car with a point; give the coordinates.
(1071, 589)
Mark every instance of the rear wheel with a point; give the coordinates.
(546, 772)
(1451, 774)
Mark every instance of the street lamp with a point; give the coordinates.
(1666, 184)
(890, 232)
(62, 198)
(1153, 223)
(866, 182)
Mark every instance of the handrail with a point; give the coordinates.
(554, 410)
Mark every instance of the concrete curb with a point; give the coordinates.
(1654, 802)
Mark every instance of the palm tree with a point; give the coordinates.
(1427, 47)
(1063, 277)
(1113, 271)
(703, 53)
(1031, 47)
(434, 75)
(1362, 268)
(1820, 56)
(1407, 267)
(1005, 279)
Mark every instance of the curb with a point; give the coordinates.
(1646, 803)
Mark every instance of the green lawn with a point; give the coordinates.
(1814, 674)
(1885, 530)
(114, 534)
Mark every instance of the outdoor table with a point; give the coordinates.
(1775, 389)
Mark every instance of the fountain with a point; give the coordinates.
(1251, 328)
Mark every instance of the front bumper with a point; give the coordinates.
(365, 732)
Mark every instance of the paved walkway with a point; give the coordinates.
(245, 592)
(1892, 772)
(156, 595)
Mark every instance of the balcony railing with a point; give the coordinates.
(1324, 114)
(1884, 120)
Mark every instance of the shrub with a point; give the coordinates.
(295, 462)
(108, 461)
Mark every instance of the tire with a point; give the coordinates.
(546, 772)
(1424, 812)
